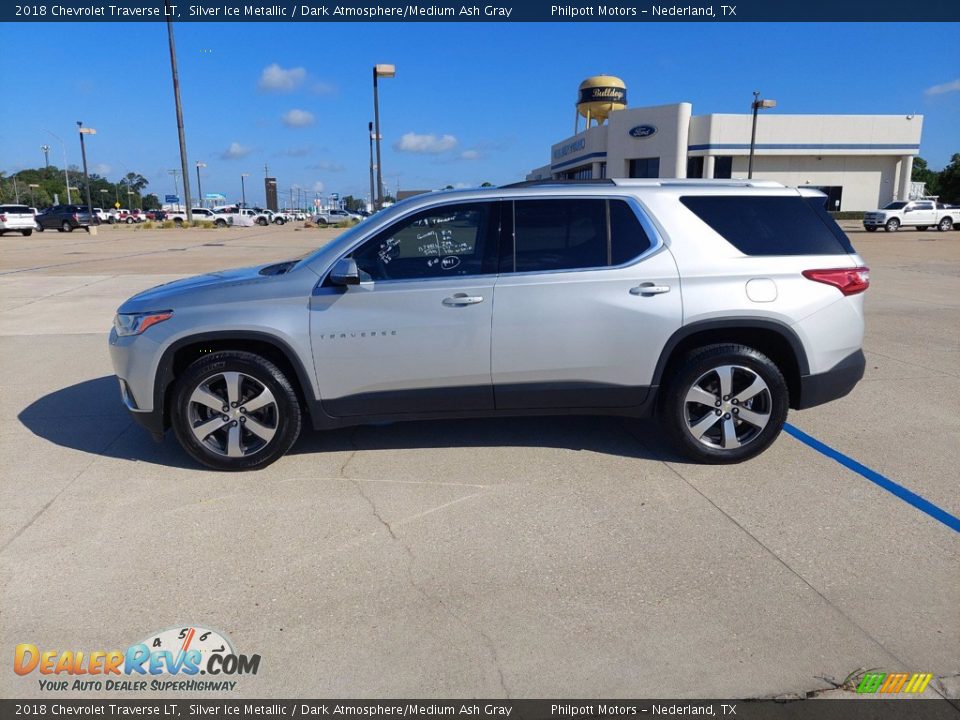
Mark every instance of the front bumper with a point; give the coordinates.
(832, 384)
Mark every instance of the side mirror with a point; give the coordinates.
(345, 272)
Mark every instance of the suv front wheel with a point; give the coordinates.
(234, 410)
(726, 404)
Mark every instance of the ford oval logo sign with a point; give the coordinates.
(643, 131)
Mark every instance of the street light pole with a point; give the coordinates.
(46, 155)
(387, 71)
(176, 188)
(756, 106)
(243, 189)
(66, 176)
(33, 196)
(199, 188)
(83, 152)
(176, 99)
(372, 196)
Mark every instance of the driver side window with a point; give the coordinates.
(448, 241)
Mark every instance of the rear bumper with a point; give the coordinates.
(832, 384)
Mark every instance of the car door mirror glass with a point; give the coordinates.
(345, 272)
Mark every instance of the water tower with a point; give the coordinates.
(599, 96)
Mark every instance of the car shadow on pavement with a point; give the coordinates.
(90, 417)
(623, 437)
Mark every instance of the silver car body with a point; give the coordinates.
(575, 340)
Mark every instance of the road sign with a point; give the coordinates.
(116, 205)
(171, 198)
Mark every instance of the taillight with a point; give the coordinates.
(849, 281)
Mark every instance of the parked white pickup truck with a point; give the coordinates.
(199, 215)
(920, 214)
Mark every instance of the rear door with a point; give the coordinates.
(587, 297)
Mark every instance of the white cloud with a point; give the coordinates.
(298, 118)
(318, 186)
(470, 155)
(412, 142)
(323, 88)
(328, 165)
(235, 151)
(953, 86)
(277, 79)
(102, 169)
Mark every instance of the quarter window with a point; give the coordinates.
(448, 241)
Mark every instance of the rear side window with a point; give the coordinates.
(572, 234)
(771, 225)
(15, 209)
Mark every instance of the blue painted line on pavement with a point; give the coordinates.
(909, 497)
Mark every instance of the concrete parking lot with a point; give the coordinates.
(553, 557)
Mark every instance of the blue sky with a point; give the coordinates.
(470, 103)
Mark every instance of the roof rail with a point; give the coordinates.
(535, 183)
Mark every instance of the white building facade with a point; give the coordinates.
(860, 161)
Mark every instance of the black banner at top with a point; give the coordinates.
(501, 11)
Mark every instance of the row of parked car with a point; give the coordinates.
(67, 218)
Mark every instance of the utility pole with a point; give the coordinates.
(176, 99)
(373, 198)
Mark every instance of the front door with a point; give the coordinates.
(414, 336)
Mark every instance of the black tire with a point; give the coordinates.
(262, 222)
(220, 222)
(679, 416)
(178, 222)
(322, 221)
(66, 227)
(285, 414)
(279, 221)
(892, 225)
(945, 224)
(871, 228)
(40, 227)
(26, 233)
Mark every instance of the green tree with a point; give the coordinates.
(923, 173)
(151, 202)
(950, 181)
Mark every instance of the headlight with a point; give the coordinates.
(136, 323)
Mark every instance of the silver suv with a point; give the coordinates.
(715, 304)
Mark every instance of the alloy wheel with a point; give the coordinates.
(233, 414)
(727, 407)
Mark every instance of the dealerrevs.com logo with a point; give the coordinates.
(183, 653)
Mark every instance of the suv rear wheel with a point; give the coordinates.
(234, 410)
(726, 404)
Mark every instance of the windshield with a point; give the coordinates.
(895, 206)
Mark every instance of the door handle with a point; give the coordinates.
(460, 299)
(648, 288)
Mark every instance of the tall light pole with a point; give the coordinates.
(176, 99)
(46, 155)
(83, 152)
(103, 196)
(372, 196)
(199, 188)
(176, 187)
(243, 188)
(66, 177)
(33, 197)
(388, 71)
(756, 106)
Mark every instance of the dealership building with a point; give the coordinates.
(860, 161)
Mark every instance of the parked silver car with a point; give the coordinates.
(715, 304)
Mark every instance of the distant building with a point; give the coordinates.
(859, 161)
